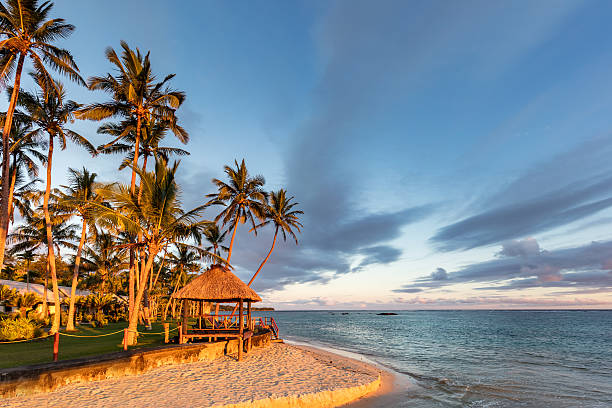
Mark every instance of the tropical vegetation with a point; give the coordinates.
(108, 251)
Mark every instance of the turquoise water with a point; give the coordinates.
(476, 358)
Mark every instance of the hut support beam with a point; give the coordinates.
(240, 324)
(184, 322)
(249, 324)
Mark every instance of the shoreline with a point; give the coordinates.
(281, 375)
(392, 383)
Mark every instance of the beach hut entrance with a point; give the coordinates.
(217, 285)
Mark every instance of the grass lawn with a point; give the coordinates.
(41, 351)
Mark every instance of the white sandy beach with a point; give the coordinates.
(277, 376)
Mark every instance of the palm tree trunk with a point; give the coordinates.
(259, 269)
(11, 196)
(131, 285)
(265, 260)
(229, 253)
(45, 310)
(133, 325)
(8, 123)
(75, 277)
(51, 254)
(132, 311)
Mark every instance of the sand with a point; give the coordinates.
(277, 376)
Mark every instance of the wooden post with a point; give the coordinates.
(180, 330)
(200, 306)
(125, 339)
(55, 346)
(166, 332)
(184, 323)
(249, 325)
(240, 339)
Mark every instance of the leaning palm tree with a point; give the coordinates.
(26, 32)
(243, 197)
(49, 111)
(281, 213)
(158, 216)
(77, 199)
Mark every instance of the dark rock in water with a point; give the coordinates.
(344, 313)
(387, 314)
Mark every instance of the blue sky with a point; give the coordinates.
(446, 154)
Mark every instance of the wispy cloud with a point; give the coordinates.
(522, 264)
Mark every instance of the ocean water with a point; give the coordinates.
(475, 358)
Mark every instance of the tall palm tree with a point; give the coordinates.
(158, 216)
(25, 31)
(77, 199)
(136, 97)
(49, 111)
(281, 213)
(243, 197)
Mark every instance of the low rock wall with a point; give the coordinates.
(49, 376)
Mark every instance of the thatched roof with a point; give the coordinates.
(217, 284)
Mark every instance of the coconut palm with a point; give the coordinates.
(49, 111)
(158, 216)
(215, 238)
(135, 95)
(281, 213)
(137, 98)
(243, 197)
(77, 199)
(184, 261)
(106, 257)
(26, 31)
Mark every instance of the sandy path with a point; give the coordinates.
(277, 372)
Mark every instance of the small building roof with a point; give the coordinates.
(23, 288)
(217, 284)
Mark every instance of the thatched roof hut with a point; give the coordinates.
(217, 284)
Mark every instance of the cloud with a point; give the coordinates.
(577, 268)
(525, 247)
(439, 274)
(565, 189)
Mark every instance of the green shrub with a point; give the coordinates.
(99, 320)
(18, 329)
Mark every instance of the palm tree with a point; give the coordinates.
(215, 238)
(106, 256)
(49, 112)
(32, 236)
(26, 301)
(137, 98)
(282, 214)
(135, 95)
(243, 197)
(158, 216)
(77, 200)
(185, 261)
(26, 32)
